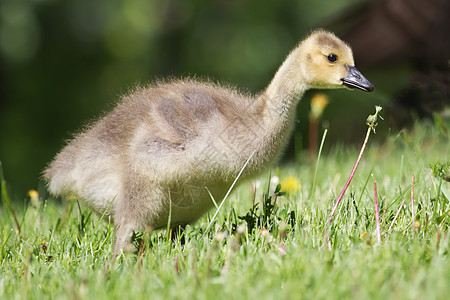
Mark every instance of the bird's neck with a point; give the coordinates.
(278, 107)
(284, 92)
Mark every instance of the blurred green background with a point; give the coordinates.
(62, 63)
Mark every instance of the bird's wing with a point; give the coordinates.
(177, 117)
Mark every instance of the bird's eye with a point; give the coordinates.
(332, 58)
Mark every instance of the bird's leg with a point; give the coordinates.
(122, 239)
(131, 210)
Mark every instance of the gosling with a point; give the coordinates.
(164, 147)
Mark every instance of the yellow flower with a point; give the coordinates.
(34, 197)
(318, 104)
(290, 184)
(33, 194)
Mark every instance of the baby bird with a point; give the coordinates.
(163, 147)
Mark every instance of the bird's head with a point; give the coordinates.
(327, 62)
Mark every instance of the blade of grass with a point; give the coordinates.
(412, 200)
(365, 185)
(395, 218)
(402, 193)
(169, 218)
(318, 160)
(104, 213)
(6, 198)
(212, 198)
(377, 212)
(228, 193)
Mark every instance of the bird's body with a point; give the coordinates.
(165, 147)
(179, 142)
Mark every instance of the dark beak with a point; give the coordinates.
(355, 79)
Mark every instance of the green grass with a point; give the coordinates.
(293, 252)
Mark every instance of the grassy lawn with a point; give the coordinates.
(282, 248)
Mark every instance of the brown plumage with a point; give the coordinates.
(168, 144)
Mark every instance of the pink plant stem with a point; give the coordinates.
(412, 201)
(377, 213)
(351, 174)
(395, 218)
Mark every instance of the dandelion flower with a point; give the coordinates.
(290, 184)
(318, 104)
(34, 197)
